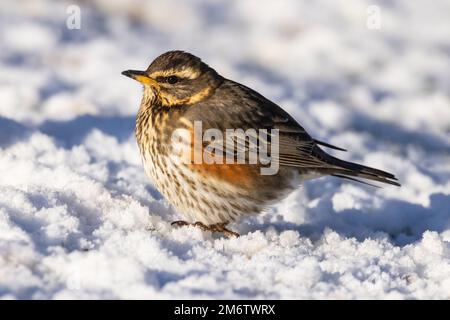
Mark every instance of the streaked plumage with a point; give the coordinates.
(217, 194)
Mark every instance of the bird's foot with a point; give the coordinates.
(218, 227)
(180, 223)
(221, 227)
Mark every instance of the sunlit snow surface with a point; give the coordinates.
(79, 219)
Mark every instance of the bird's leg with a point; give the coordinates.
(180, 223)
(221, 227)
(218, 227)
(202, 226)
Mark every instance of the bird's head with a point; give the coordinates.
(177, 78)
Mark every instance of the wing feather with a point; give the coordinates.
(233, 103)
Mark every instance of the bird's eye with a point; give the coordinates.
(172, 79)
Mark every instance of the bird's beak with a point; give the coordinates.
(141, 76)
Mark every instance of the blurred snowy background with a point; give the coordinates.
(79, 219)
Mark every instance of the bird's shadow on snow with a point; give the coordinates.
(401, 221)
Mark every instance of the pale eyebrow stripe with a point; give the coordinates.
(187, 73)
(169, 100)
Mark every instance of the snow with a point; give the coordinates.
(79, 219)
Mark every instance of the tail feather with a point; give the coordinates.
(353, 179)
(347, 170)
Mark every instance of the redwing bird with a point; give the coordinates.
(179, 90)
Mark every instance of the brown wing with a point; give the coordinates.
(236, 106)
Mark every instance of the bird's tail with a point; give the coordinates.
(349, 170)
